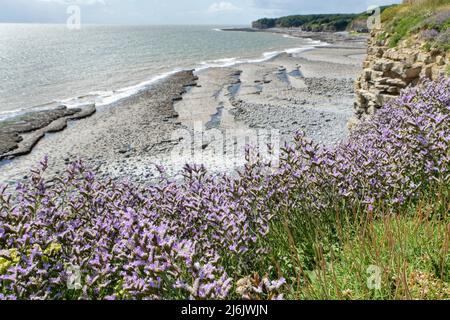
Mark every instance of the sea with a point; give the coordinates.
(43, 66)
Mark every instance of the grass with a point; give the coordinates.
(409, 255)
(403, 20)
(344, 254)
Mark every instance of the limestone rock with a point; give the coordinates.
(389, 70)
(413, 71)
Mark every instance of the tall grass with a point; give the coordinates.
(407, 248)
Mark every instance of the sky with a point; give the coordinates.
(213, 12)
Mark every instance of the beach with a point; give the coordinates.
(310, 91)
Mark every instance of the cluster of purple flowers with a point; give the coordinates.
(204, 237)
(438, 20)
(429, 34)
(435, 29)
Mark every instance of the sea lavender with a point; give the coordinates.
(202, 238)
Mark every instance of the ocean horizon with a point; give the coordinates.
(46, 65)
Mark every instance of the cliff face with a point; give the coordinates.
(263, 24)
(388, 70)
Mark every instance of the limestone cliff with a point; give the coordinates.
(388, 70)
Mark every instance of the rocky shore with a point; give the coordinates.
(135, 126)
(344, 39)
(310, 91)
(389, 70)
(20, 134)
(293, 94)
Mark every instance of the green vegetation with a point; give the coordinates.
(340, 257)
(430, 18)
(315, 22)
(319, 22)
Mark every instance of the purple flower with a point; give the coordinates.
(80, 237)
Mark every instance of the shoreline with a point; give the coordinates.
(24, 128)
(110, 133)
(334, 38)
(311, 90)
(119, 94)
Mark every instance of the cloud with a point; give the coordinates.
(76, 2)
(318, 6)
(222, 6)
(229, 12)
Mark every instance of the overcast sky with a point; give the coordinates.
(232, 12)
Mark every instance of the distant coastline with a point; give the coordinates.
(353, 22)
(344, 37)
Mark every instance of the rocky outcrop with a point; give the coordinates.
(8, 142)
(389, 70)
(20, 134)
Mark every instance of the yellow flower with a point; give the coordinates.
(53, 249)
(5, 263)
